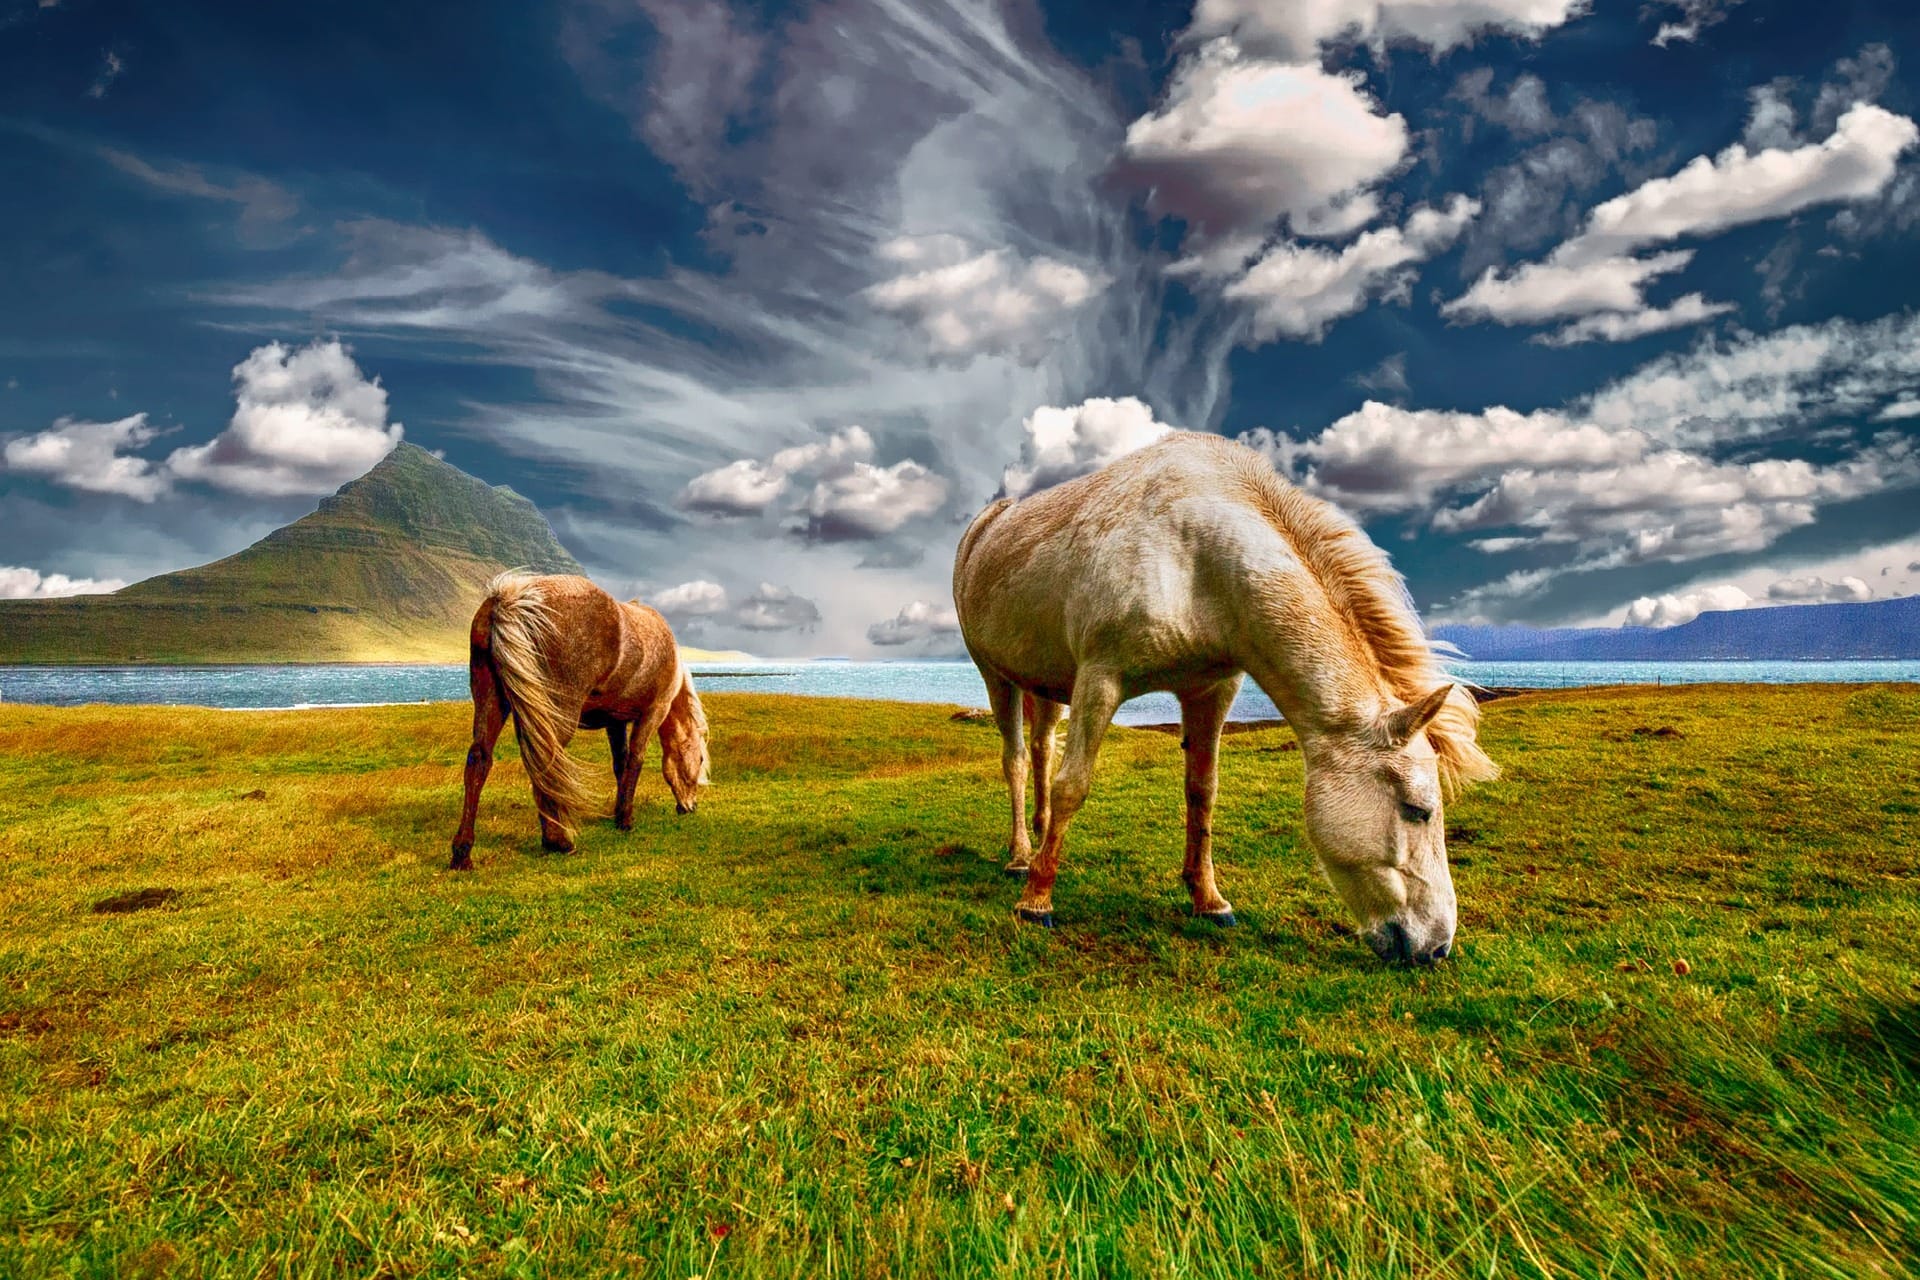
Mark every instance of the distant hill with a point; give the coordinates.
(389, 569)
(1803, 632)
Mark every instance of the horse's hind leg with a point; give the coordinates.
(1043, 714)
(1005, 700)
(554, 835)
(1096, 696)
(1201, 717)
(489, 717)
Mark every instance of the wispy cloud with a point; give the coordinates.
(973, 140)
(1599, 270)
(111, 66)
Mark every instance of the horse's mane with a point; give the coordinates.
(1370, 598)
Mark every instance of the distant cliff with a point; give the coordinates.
(1803, 632)
(389, 569)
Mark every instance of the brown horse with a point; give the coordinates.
(558, 653)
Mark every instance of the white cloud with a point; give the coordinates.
(1738, 187)
(17, 583)
(1548, 290)
(306, 420)
(749, 487)
(700, 605)
(1382, 458)
(1297, 28)
(699, 598)
(919, 622)
(964, 303)
(830, 456)
(1817, 590)
(1390, 375)
(404, 277)
(850, 500)
(1673, 506)
(1672, 610)
(866, 501)
(1595, 271)
(1899, 410)
(699, 84)
(1638, 472)
(1790, 380)
(110, 69)
(264, 205)
(1298, 291)
(772, 608)
(1771, 119)
(1624, 326)
(741, 488)
(1241, 142)
(1064, 443)
(1676, 609)
(88, 456)
(1890, 564)
(1690, 18)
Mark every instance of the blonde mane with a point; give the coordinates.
(1369, 597)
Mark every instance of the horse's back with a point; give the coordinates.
(1135, 564)
(575, 625)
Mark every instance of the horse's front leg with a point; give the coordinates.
(1202, 716)
(635, 758)
(489, 717)
(1005, 700)
(622, 796)
(1096, 696)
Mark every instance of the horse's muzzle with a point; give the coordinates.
(1392, 943)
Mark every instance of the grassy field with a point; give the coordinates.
(799, 1034)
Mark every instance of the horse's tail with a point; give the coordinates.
(521, 635)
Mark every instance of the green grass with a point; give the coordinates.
(799, 1034)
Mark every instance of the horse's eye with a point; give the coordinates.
(1414, 813)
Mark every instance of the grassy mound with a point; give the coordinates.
(248, 1025)
(389, 569)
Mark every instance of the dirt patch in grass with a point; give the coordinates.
(134, 900)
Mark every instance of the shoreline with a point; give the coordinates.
(1480, 694)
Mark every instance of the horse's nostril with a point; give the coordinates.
(1441, 952)
(1391, 943)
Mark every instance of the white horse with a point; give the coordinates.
(1178, 568)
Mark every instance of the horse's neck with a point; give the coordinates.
(1301, 658)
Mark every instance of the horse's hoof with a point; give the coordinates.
(1018, 870)
(462, 858)
(557, 846)
(1042, 918)
(1222, 918)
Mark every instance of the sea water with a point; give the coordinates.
(953, 683)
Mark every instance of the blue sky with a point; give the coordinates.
(1590, 311)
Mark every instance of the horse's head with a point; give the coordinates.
(683, 746)
(1373, 816)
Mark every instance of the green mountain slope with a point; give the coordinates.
(389, 569)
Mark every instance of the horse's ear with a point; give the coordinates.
(1402, 724)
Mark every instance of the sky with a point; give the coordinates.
(1589, 311)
